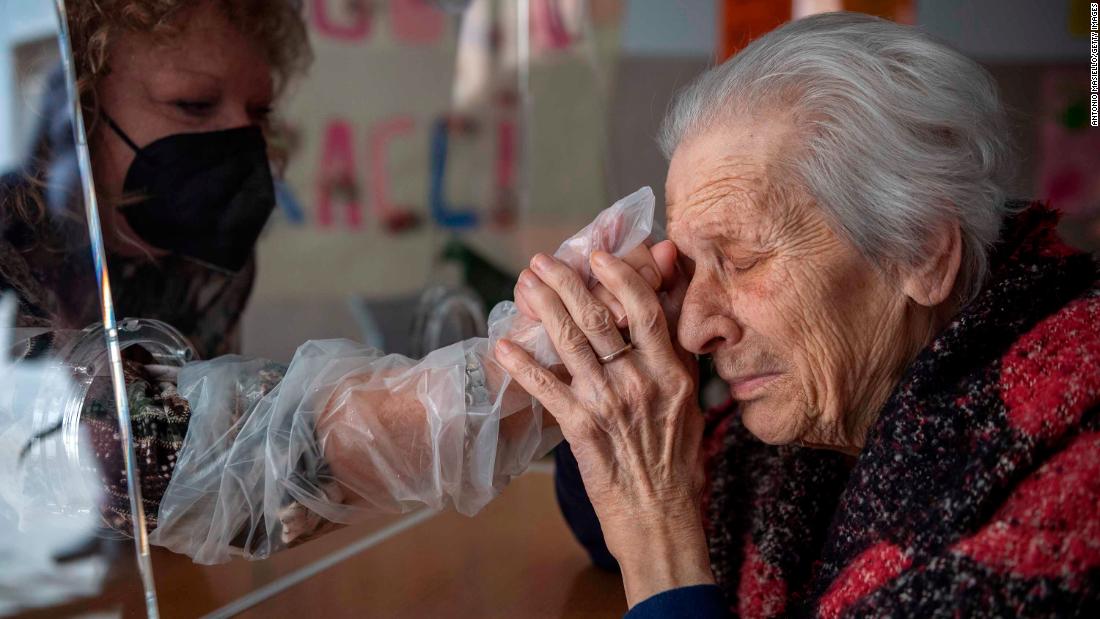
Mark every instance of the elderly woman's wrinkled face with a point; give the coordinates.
(806, 332)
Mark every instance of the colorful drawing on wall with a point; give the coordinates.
(901, 11)
(393, 144)
(1070, 150)
(744, 20)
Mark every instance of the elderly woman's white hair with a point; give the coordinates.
(899, 133)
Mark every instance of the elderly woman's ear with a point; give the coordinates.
(931, 281)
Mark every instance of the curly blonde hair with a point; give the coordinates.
(275, 25)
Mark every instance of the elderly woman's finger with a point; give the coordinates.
(536, 380)
(664, 256)
(646, 319)
(571, 343)
(656, 264)
(641, 260)
(593, 317)
(520, 296)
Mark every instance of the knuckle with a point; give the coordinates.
(572, 339)
(650, 319)
(572, 287)
(596, 318)
(677, 382)
(684, 380)
(613, 403)
(678, 376)
(648, 390)
(683, 388)
(640, 386)
(537, 378)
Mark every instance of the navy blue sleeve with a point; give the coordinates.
(700, 601)
(697, 602)
(577, 509)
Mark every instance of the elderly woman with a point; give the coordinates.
(914, 362)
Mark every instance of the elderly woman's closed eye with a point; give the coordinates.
(913, 360)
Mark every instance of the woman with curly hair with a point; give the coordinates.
(149, 70)
(237, 456)
(176, 97)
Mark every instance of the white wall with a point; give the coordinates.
(987, 30)
(670, 28)
(1005, 31)
(20, 21)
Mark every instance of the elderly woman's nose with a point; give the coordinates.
(703, 327)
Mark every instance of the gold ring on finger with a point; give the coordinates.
(618, 353)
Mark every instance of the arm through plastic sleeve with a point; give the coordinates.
(347, 432)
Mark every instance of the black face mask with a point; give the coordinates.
(206, 196)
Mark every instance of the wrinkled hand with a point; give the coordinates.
(656, 265)
(633, 423)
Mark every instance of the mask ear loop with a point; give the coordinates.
(118, 130)
(125, 138)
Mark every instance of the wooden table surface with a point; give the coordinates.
(514, 559)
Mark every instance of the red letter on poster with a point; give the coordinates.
(358, 29)
(506, 155)
(380, 137)
(416, 22)
(337, 175)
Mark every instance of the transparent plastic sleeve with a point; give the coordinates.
(274, 456)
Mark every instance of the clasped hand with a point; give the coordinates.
(632, 419)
